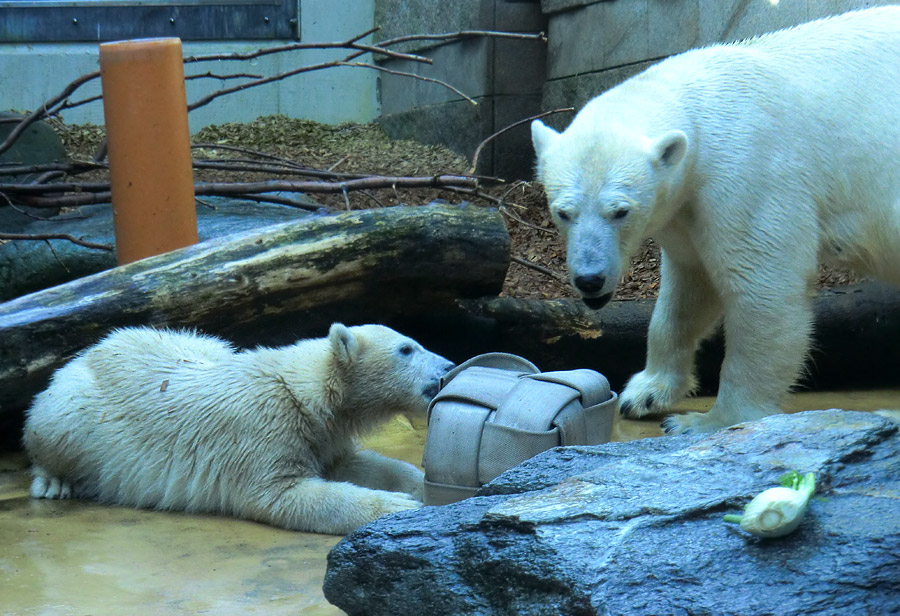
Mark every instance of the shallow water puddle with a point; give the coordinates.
(71, 557)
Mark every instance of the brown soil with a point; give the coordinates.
(366, 149)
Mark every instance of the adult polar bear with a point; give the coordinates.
(748, 164)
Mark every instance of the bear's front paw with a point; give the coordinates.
(375, 504)
(691, 423)
(392, 502)
(417, 489)
(651, 394)
(718, 417)
(678, 424)
(411, 480)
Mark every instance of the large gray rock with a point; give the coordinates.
(38, 145)
(636, 528)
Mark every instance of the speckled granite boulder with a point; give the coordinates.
(636, 528)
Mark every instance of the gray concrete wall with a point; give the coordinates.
(594, 45)
(504, 77)
(33, 73)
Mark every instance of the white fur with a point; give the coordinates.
(181, 421)
(749, 164)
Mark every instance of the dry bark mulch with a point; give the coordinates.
(365, 148)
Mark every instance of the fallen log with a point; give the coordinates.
(267, 286)
(855, 343)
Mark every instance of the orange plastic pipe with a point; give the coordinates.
(145, 107)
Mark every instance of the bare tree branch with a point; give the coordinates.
(67, 104)
(412, 75)
(537, 36)
(363, 183)
(69, 200)
(44, 109)
(55, 236)
(373, 49)
(363, 35)
(211, 75)
(98, 192)
(59, 187)
(258, 82)
(300, 205)
(539, 268)
(60, 101)
(243, 150)
(56, 256)
(507, 212)
(46, 191)
(71, 168)
(511, 126)
(315, 67)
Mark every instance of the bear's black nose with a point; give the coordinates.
(431, 390)
(590, 285)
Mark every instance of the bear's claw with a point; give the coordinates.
(653, 393)
(50, 488)
(670, 425)
(625, 409)
(691, 423)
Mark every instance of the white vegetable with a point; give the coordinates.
(778, 511)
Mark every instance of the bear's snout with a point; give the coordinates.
(590, 287)
(431, 390)
(591, 284)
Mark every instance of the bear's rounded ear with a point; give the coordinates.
(344, 345)
(542, 136)
(669, 149)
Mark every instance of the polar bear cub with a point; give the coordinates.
(749, 164)
(182, 421)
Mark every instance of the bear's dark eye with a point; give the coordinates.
(563, 216)
(406, 349)
(620, 213)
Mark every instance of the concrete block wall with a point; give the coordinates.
(504, 77)
(592, 46)
(596, 44)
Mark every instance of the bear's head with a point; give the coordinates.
(608, 189)
(383, 372)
